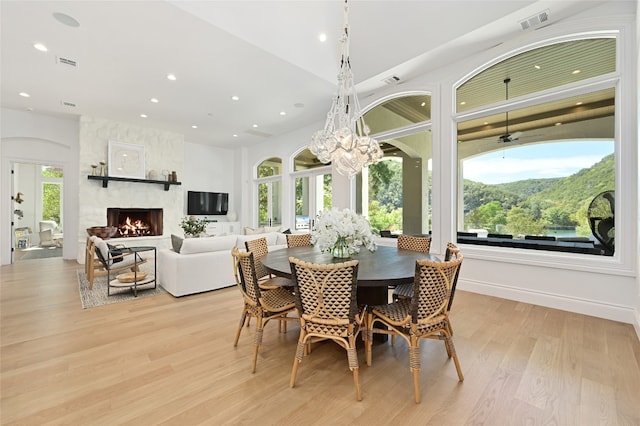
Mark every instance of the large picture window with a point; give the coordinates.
(536, 150)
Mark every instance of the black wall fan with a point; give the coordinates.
(601, 216)
(508, 137)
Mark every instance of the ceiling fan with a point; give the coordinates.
(507, 137)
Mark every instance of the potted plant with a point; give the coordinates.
(193, 226)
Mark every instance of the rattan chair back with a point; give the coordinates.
(246, 275)
(452, 251)
(326, 293)
(298, 240)
(410, 242)
(259, 248)
(433, 284)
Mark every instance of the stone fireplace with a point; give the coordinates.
(135, 222)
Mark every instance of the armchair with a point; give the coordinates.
(50, 234)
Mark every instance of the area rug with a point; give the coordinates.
(98, 295)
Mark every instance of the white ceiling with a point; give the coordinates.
(265, 52)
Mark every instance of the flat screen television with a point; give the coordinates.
(207, 203)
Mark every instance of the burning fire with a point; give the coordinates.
(134, 227)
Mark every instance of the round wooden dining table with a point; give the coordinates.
(376, 270)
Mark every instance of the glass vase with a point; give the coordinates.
(340, 249)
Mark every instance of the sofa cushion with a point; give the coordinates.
(272, 238)
(253, 231)
(275, 228)
(201, 245)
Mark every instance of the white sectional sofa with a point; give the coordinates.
(195, 265)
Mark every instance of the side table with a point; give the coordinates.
(137, 282)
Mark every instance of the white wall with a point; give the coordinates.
(29, 137)
(211, 169)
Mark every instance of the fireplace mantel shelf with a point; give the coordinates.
(105, 181)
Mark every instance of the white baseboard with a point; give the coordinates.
(608, 311)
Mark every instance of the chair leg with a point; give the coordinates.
(258, 341)
(369, 340)
(454, 355)
(298, 358)
(243, 318)
(414, 365)
(352, 357)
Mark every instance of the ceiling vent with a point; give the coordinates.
(66, 62)
(394, 79)
(68, 104)
(537, 20)
(258, 133)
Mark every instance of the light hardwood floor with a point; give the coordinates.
(162, 360)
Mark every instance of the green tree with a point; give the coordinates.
(51, 194)
(383, 217)
(557, 216)
(519, 222)
(385, 183)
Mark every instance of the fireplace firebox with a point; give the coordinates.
(135, 222)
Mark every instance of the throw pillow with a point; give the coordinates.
(101, 245)
(176, 242)
(286, 231)
(253, 231)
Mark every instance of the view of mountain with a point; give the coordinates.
(543, 203)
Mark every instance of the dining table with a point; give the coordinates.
(377, 270)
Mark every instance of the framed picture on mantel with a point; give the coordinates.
(126, 160)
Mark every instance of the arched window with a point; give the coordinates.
(536, 145)
(269, 185)
(395, 193)
(312, 188)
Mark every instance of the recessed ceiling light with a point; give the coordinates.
(558, 124)
(154, 100)
(322, 37)
(235, 136)
(423, 104)
(578, 103)
(41, 47)
(171, 77)
(194, 127)
(24, 94)
(463, 103)
(143, 115)
(254, 126)
(66, 19)
(283, 113)
(537, 67)
(575, 72)
(485, 123)
(235, 98)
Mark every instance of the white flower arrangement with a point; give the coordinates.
(342, 232)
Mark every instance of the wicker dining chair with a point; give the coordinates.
(425, 315)
(326, 303)
(298, 240)
(409, 242)
(266, 281)
(264, 305)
